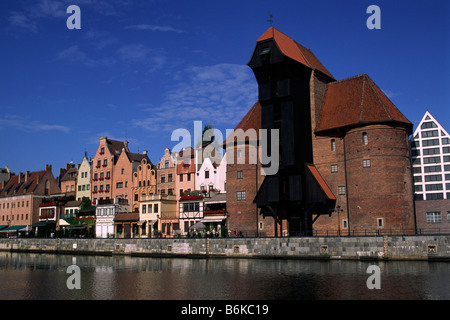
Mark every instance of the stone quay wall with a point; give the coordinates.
(431, 247)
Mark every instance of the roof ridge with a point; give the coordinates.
(347, 79)
(361, 106)
(379, 100)
(301, 52)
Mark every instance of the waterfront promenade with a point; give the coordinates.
(411, 247)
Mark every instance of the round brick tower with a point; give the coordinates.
(379, 180)
(368, 166)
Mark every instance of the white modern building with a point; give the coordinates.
(430, 157)
(105, 212)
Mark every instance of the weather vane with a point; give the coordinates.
(270, 19)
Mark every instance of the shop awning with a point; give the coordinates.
(42, 224)
(63, 223)
(75, 227)
(214, 218)
(14, 229)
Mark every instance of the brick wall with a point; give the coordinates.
(383, 190)
(441, 206)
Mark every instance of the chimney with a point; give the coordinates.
(144, 152)
(48, 167)
(20, 177)
(27, 175)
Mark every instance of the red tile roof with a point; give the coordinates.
(16, 187)
(294, 50)
(312, 168)
(356, 101)
(129, 216)
(252, 120)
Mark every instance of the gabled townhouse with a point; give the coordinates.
(166, 174)
(211, 176)
(21, 196)
(143, 182)
(68, 179)
(125, 166)
(185, 179)
(102, 168)
(83, 187)
(158, 216)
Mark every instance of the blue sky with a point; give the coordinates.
(137, 70)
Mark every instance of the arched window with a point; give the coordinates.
(47, 188)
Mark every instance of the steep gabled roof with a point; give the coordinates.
(115, 147)
(356, 101)
(294, 50)
(252, 120)
(14, 186)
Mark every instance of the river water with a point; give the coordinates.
(44, 276)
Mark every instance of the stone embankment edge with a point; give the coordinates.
(373, 248)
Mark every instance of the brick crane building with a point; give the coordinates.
(344, 163)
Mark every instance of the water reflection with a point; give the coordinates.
(43, 276)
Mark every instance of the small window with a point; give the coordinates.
(364, 138)
(206, 174)
(380, 223)
(333, 144)
(434, 217)
(240, 174)
(166, 164)
(240, 195)
(345, 224)
(341, 190)
(334, 168)
(366, 163)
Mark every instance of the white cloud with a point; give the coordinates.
(21, 21)
(220, 94)
(74, 54)
(133, 52)
(148, 27)
(29, 126)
